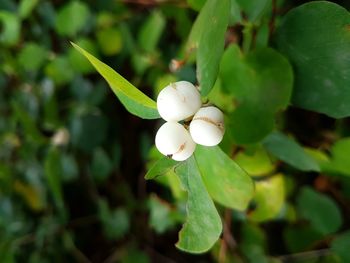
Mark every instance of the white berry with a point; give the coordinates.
(178, 101)
(207, 126)
(175, 141)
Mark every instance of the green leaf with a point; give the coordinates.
(30, 195)
(133, 255)
(133, 99)
(269, 198)
(161, 216)
(10, 28)
(162, 166)
(115, 222)
(316, 39)
(77, 61)
(300, 237)
(340, 246)
(53, 173)
(340, 161)
(253, 243)
(110, 41)
(255, 10)
(26, 7)
(196, 4)
(214, 16)
(28, 124)
(60, 70)
(221, 99)
(32, 56)
(88, 131)
(322, 159)
(151, 31)
(322, 212)
(70, 169)
(261, 82)
(287, 150)
(225, 181)
(72, 18)
(7, 254)
(257, 163)
(101, 165)
(235, 13)
(203, 224)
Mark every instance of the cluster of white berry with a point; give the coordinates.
(180, 101)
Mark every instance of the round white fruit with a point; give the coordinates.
(173, 140)
(178, 101)
(207, 126)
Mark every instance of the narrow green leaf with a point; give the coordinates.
(162, 166)
(322, 212)
(53, 173)
(261, 83)
(269, 198)
(215, 15)
(197, 30)
(151, 31)
(203, 224)
(316, 38)
(287, 150)
(29, 125)
(133, 99)
(77, 61)
(226, 182)
(235, 13)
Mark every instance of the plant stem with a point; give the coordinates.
(305, 255)
(247, 37)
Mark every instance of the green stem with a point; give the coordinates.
(247, 37)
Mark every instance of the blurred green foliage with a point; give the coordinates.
(73, 160)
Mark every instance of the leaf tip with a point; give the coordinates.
(77, 47)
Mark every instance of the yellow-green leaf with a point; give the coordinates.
(269, 198)
(226, 182)
(135, 101)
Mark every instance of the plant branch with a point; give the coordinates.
(178, 3)
(228, 240)
(273, 18)
(305, 255)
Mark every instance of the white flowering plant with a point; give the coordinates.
(220, 134)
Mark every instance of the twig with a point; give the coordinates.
(228, 240)
(80, 256)
(273, 18)
(305, 255)
(161, 258)
(82, 221)
(115, 256)
(156, 2)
